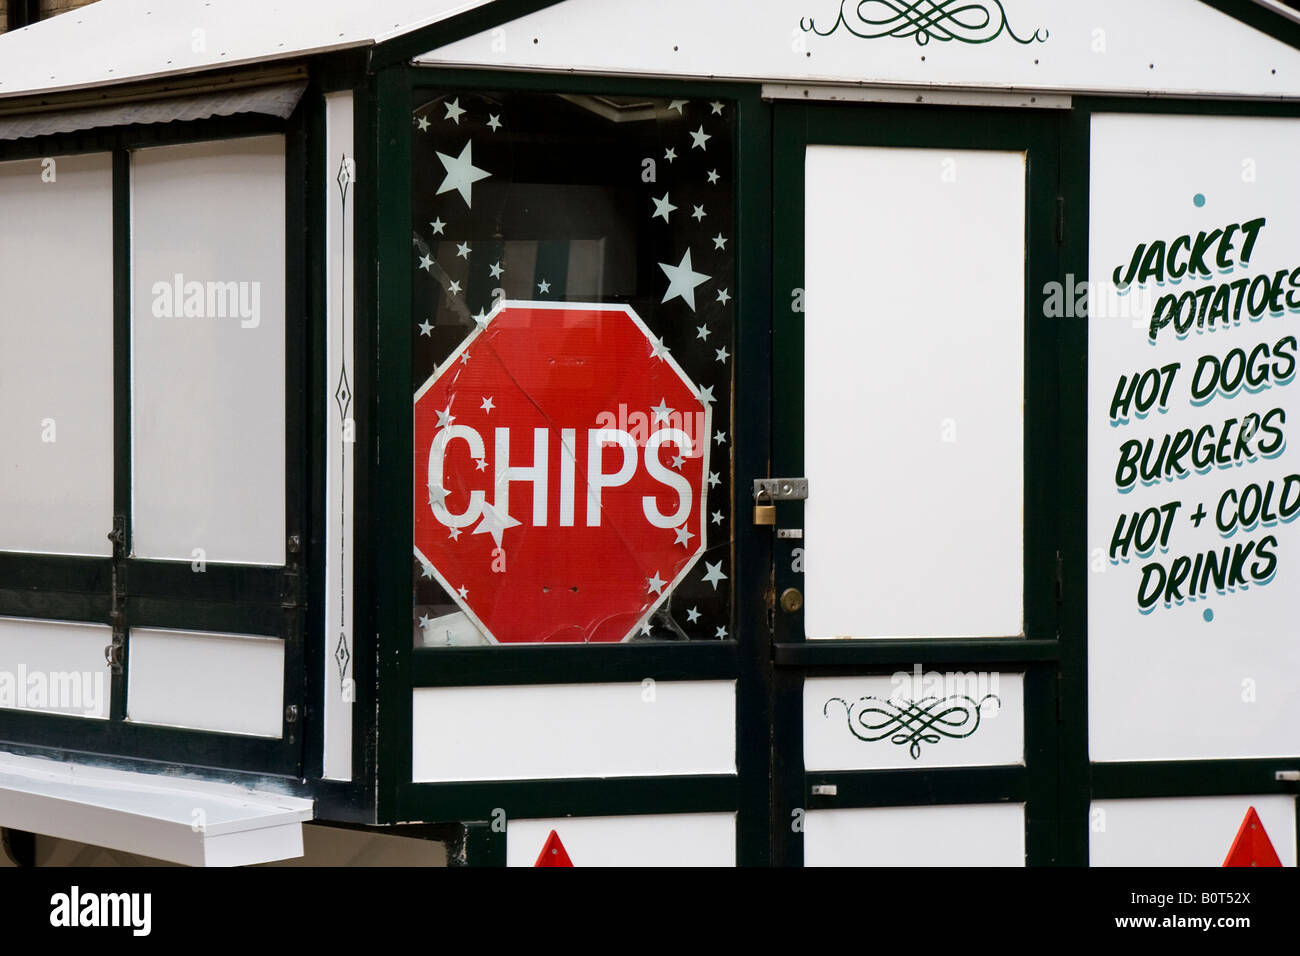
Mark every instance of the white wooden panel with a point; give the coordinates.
(1102, 45)
(208, 369)
(226, 682)
(669, 839)
(913, 720)
(991, 834)
(1186, 831)
(54, 666)
(1207, 672)
(340, 404)
(56, 354)
(912, 447)
(574, 730)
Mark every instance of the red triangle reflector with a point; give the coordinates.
(554, 854)
(1252, 846)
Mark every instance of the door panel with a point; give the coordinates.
(915, 387)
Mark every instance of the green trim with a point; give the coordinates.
(404, 48)
(572, 797)
(1260, 18)
(575, 664)
(849, 653)
(1190, 778)
(857, 789)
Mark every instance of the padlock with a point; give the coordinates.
(764, 514)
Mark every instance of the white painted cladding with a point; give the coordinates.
(231, 683)
(1110, 46)
(669, 839)
(933, 549)
(54, 666)
(56, 354)
(340, 405)
(990, 834)
(903, 723)
(1185, 831)
(522, 732)
(1168, 683)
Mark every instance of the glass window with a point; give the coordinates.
(573, 262)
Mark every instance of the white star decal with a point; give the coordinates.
(722, 354)
(445, 417)
(693, 615)
(717, 108)
(717, 517)
(682, 281)
(426, 263)
(453, 287)
(462, 250)
(670, 154)
(437, 226)
(657, 349)
(455, 534)
(464, 358)
(721, 633)
(454, 112)
(706, 394)
(423, 124)
(656, 584)
(720, 241)
(481, 318)
(494, 523)
(720, 438)
(487, 405)
(480, 464)
(699, 213)
(713, 177)
(683, 536)
(662, 207)
(462, 174)
(724, 296)
(543, 286)
(677, 105)
(437, 495)
(496, 270)
(661, 411)
(714, 480)
(700, 137)
(714, 574)
(426, 571)
(425, 621)
(463, 592)
(425, 327)
(678, 461)
(703, 332)
(494, 122)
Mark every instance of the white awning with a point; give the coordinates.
(168, 818)
(119, 41)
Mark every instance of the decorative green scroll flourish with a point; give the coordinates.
(913, 722)
(966, 21)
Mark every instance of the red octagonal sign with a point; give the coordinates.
(560, 463)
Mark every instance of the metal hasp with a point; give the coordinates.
(782, 489)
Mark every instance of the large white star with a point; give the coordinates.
(445, 417)
(714, 574)
(662, 207)
(661, 411)
(683, 536)
(656, 583)
(682, 280)
(700, 138)
(454, 111)
(462, 174)
(494, 523)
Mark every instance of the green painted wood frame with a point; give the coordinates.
(402, 668)
(1036, 652)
